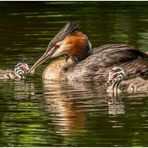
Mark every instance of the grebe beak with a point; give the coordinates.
(42, 59)
(51, 49)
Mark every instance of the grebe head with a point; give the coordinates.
(69, 42)
(21, 69)
(115, 78)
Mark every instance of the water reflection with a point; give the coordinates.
(69, 104)
(22, 121)
(115, 105)
(72, 107)
(67, 116)
(67, 113)
(24, 90)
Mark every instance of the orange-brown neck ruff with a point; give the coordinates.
(77, 45)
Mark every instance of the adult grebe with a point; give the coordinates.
(74, 58)
(19, 72)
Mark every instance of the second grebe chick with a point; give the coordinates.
(117, 82)
(19, 72)
(21, 69)
(115, 79)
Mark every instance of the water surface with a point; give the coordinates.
(33, 113)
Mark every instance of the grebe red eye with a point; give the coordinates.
(57, 46)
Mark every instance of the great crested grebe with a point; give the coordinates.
(19, 72)
(115, 79)
(116, 82)
(74, 58)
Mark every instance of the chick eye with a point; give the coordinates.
(57, 46)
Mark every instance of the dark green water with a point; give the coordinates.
(56, 114)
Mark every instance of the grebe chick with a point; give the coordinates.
(115, 79)
(117, 82)
(19, 72)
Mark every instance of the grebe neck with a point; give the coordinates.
(57, 69)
